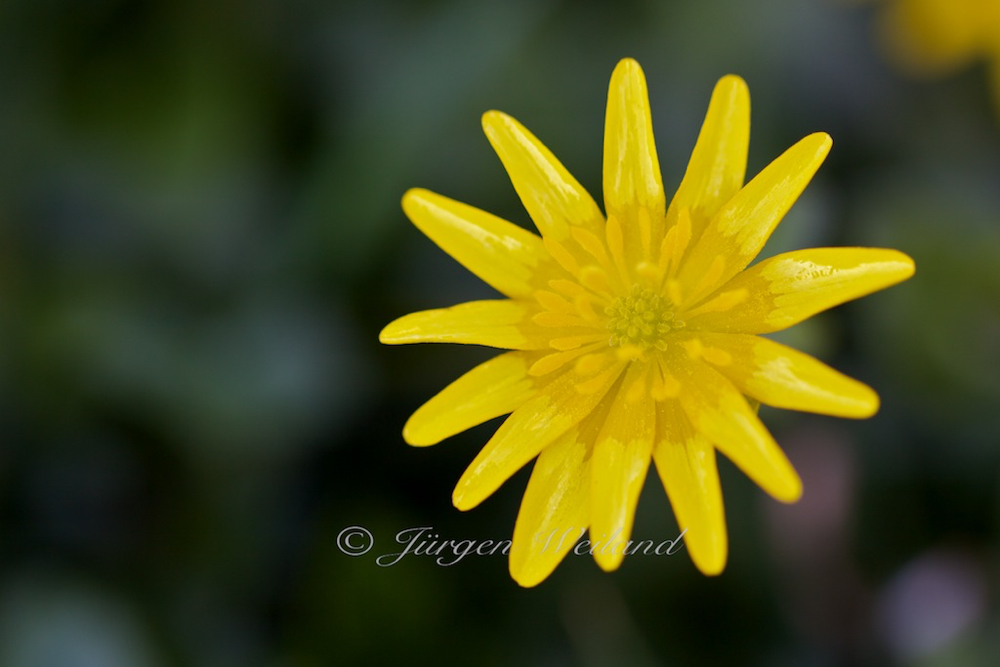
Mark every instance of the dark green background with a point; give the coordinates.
(200, 238)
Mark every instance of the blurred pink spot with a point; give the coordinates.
(930, 602)
(816, 527)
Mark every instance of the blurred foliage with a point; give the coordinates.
(200, 238)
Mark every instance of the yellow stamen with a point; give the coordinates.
(641, 319)
(585, 307)
(720, 303)
(674, 292)
(592, 244)
(592, 363)
(558, 320)
(556, 360)
(649, 272)
(710, 277)
(563, 256)
(599, 381)
(567, 287)
(616, 244)
(694, 348)
(572, 342)
(675, 242)
(716, 356)
(554, 302)
(594, 278)
(645, 231)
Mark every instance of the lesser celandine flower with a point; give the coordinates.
(632, 337)
(939, 36)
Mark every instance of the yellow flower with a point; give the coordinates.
(937, 36)
(632, 338)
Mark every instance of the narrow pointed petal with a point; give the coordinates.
(741, 227)
(781, 377)
(503, 323)
(553, 198)
(631, 168)
(496, 387)
(685, 461)
(502, 254)
(719, 161)
(554, 511)
(557, 408)
(719, 411)
(621, 459)
(788, 288)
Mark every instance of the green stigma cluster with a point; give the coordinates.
(641, 318)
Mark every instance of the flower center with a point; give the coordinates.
(642, 318)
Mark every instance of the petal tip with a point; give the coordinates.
(609, 562)
(525, 576)
(823, 141)
(861, 403)
(413, 193)
(491, 119)
(627, 68)
(711, 566)
(387, 336)
(870, 406)
(899, 265)
(790, 491)
(414, 435)
(413, 198)
(908, 268)
(628, 62)
(734, 82)
(895, 265)
(397, 332)
(462, 499)
(708, 555)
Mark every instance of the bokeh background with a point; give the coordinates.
(200, 238)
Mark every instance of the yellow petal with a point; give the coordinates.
(621, 458)
(502, 254)
(556, 409)
(719, 161)
(489, 390)
(781, 377)
(631, 169)
(685, 461)
(721, 413)
(552, 197)
(742, 226)
(788, 288)
(503, 323)
(554, 512)
(932, 36)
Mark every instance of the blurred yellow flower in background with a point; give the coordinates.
(632, 338)
(941, 36)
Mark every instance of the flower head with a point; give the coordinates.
(632, 338)
(938, 36)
